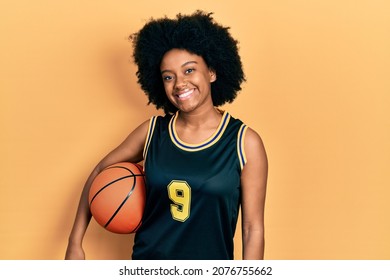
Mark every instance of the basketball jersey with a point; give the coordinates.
(193, 192)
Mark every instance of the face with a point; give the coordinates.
(187, 80)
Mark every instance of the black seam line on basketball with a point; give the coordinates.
(125, 177)
(136, 228)
(110, 167)
(141, 171)
(135, 165)
(123, 203)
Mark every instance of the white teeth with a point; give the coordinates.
(186, 94)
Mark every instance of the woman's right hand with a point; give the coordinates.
(74, 252)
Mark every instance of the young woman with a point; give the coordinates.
(200, 163)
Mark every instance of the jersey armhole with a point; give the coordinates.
(149, 135)
(240, 145)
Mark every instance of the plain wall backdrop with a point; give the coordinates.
(317, 91)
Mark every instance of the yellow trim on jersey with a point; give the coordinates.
(152, 124)
(240, 145)
(203, 145)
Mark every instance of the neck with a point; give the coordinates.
(196, 119)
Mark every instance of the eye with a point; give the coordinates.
(189, 70)
(167, 78)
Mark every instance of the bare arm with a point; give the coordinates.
(129, 150)
(253, 181)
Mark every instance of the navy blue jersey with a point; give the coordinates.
(193, 192)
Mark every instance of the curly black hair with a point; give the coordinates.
(197, 33)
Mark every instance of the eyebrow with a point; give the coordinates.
(183, 65)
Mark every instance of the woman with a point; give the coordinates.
(200, 163)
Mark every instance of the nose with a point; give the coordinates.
(181, 83)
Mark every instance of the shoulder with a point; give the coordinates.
(155, 123)
(155, 119)
(254, 148)
(250, 146)
(144, 129)
(252, 139)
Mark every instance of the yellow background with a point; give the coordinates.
(318, 92)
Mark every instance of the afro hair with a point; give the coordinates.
(197, 33)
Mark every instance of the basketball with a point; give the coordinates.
(117, 197)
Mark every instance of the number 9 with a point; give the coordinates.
(179, 193)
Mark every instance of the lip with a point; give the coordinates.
(185, 94)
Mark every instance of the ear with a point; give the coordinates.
(213, 75)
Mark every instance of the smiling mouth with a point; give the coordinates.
(185, 94)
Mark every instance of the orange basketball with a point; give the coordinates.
(117, 197)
